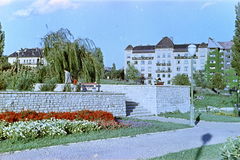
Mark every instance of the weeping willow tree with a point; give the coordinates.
(62, 51)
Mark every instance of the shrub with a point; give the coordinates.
(3, 84)
(50, 85)
(24, 83)
(231, 150)
(236, 112)
(67, 88)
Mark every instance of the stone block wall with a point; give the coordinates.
(63, 101)
(155, 98)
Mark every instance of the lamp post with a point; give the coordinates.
(191, 51)
(237, 103)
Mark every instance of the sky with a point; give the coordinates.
(113, 24)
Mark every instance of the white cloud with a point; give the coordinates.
(207, 4)
(5, 2)
(45, 7)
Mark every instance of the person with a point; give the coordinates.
(75, 81)
(68, 78)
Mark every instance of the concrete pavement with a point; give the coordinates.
(140, 147)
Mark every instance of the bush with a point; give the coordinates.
(236, 112)
(3, 84)
(67, 88)
(231, 150)
(50, 85)
(24, 83)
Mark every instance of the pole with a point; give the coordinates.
(191, 106)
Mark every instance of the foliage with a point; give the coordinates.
(47, 127)
(235, 62)
(113, 71)
(49, 85)
(2, 39)
(77, 56)
(67, 88)
(3, 84)
(132, 73)
(4, 65)
(217, 81)
(231, 150)
(198, 78)
(230, 77)
(181, 80)
(99, 56)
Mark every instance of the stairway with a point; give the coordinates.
(133, 110)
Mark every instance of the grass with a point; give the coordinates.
(14, 145)
(209, 152)
(204, 116)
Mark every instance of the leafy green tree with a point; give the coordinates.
(236, 39)
(99, 56)
(132, 73)
(2, 39)
(181, 80)
(119, 74)
(217, 81)
(198, 77)
(63, 51)
(4, 65)
(113, 71)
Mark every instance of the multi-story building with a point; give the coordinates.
(28, 57)
(165, 60)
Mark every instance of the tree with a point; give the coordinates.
(113, 71)
(236, 39)
(2, 39)
(63, 51)
(99, 56)
(132, 73)
(181, 80)
(217, 81)
(198, 77)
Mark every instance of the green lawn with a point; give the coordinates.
(14, 145)
(209, 152)
(204, 116)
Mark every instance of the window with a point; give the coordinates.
(164, 55)
(158, 56)
(136, 68)
(178, 68)
(168, 82)
(186, 55)
(128, 62)
(194, 68)
(169, 55)
(142, 55)
(227, 68)
(163, 63)
(185, 61)
(149, 75)
(194, 61)
(142, 75)
(228, 62)
(202, 54)
(169, 75)
(202, 68)
(142, 69)
(149, 62)
(203, 61)
(227, 80)
(212, 73)
(185, 68)
(178, 61)
(221, 56)
(149, 55)
(227, 74)
(221, 68)
(169, 69)
(135, 55)
(128, 56)
(149, 82)
(135, 62)
(163, 68)
(178, 54)
(212, 67)
(163, 75)
(158, 61)
(27, 60)
(234, 74)
(221, 62)
(158, 68)
(33, 60)
(186, 74)
(149, 69)
(24, 61)
(158, 75)
(169, 62)
(234, 80)
(228, 56)
(142, 62)
(212, 55)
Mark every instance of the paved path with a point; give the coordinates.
(139, 147)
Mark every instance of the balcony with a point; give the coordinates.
(142, 58)
(149, 78)
(185, 57)
(168, 64)
(163, 71)
(158, 64)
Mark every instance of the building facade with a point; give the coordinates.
(28, 57)
(165, 60)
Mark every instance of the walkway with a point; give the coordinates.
(139, 147)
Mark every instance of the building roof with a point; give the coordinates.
(226, 45)
(33, 52)
(129, 47)
(165, 43)
(203, 45)
(212, 43)
(144, 49)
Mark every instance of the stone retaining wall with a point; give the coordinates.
(63, 101)
(155, 98)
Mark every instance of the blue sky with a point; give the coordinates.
(114, 24)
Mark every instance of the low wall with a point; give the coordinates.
(155, 98)
(63, 101)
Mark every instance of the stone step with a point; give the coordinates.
(140, 115)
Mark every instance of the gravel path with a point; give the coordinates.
(139, 147)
